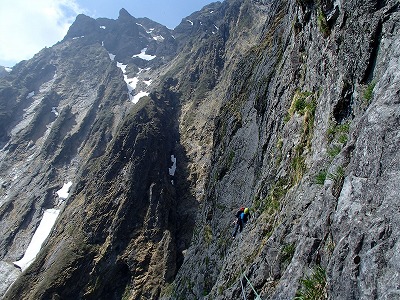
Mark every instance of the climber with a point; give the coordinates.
(242, 216)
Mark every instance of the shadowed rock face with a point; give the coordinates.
(290, 108)
(303, 142)
(68, 117)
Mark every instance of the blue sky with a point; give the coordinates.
(28, 26)
(166, 12)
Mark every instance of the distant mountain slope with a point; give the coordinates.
(144, 141)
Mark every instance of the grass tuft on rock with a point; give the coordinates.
(313, 287)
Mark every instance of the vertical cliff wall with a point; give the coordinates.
(307, 137)
(73, 114)
(290, 108)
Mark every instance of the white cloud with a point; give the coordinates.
(26, 27)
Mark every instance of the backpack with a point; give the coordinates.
(244, 217)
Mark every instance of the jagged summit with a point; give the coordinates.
(124, 15)
(127, 148)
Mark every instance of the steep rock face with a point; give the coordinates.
(306, 138)
(61, 123)
(216, 38)
(288, 107)
(60, 111)
(165, 233)
(3, 71)
(54, 122)
(124, 239)
(153, 218)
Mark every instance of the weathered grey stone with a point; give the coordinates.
(9, 274)
(283, 110)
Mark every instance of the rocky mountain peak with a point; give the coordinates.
(129, 147)
(82, 26)
(125, 16)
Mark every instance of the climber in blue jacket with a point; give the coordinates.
(243, 215)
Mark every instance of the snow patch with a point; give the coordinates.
(137, 97)
(143, 70)
(144, 56)
(173, 168)
(159, 38)
(121, 66)
(8, 69)
(78, 37)
(148, 82)
(63, 192)
(112, 56)
(41, 234)
(190, 22)
(30, 95)
(131, 83)
(216, 27)
(103, 27)
(54, 110)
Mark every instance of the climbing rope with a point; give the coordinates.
(244, 294)
(252, 287)
(248, 280)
